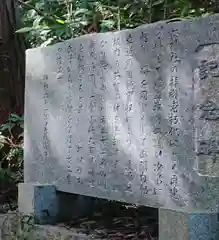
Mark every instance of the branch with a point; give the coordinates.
(165, 10)
(150, 11)
(29, 6)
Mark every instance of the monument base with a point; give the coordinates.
(174, 225)
(48, 206)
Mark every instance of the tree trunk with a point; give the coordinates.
(12, 63)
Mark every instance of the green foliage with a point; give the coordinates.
(13, 120)
(11, 151)
(49, 21)
(17, 227)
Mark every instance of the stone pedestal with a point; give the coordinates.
(174, 225)
(38, 200)
(47, 205)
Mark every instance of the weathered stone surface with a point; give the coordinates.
(130, 116)
(187, 226)
(14, 226)
(207, 110)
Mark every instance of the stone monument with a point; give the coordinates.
(131, 116)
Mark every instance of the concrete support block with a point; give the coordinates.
(49, 206)
(174, 225)
(38, 200)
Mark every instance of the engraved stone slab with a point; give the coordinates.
(129, 116)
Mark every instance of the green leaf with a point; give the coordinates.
(84, 23)
(127, 6)
(2, 139)
(44, 44)
(45, 32)
(5, 126)
(114, 8)
(60, 21)
(184, 11)
(15, 116)
(192, 11)
(107, 24)
(31, 13)
(37, 21)
(25, 30)
(80, 11)
(157, 3)
(60, 32)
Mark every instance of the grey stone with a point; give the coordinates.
(39, 201)
(49, 206)
(176, 225)
(130, 116)
(13, 227)
(112, 115)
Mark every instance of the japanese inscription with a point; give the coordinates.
(45, 114)
(139, 115)
(207, 110)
